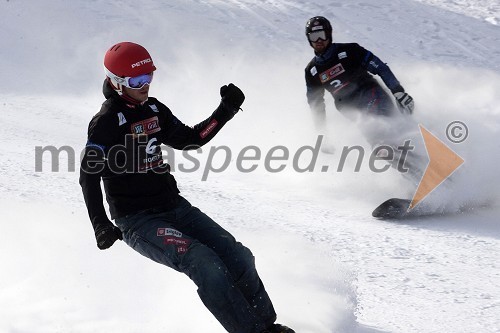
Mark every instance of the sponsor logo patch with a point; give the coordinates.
(168, 232)
(154, 108)
(142, 62)
(147, 126)
(314, 71)
(181, 244)
(210, 127)
(342, 55)
(121, 119)
(331, 73)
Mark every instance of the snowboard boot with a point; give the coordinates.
(277, 328)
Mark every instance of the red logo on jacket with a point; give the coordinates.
(147, 126)
(210, 127)
(331, 73)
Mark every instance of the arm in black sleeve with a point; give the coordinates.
(180, 136)
(316, 99)
(92, 166)
(106, 233)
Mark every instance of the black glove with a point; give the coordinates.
(232, 97)
(107, 235)
(405, 102)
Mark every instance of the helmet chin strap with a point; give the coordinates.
(118, 89)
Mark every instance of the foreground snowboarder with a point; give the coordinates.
(123, 149)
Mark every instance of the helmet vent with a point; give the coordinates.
(115, 47)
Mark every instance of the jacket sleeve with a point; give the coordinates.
(183, 137)
(316, 99)
(375, 66)
(92, 168)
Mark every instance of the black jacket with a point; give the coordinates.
(345, 70)
(123, 149)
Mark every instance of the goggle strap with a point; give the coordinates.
(125, 81)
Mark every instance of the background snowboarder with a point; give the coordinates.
(345, 71)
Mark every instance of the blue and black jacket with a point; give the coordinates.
(346, 71)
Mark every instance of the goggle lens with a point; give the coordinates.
(137, 82)
(316, 35)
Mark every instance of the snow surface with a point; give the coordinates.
(328, 266)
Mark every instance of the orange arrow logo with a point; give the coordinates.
(442, 163)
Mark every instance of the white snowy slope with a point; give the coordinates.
(327, 264)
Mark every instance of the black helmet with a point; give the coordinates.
(318, 23)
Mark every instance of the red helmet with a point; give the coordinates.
(127, 59)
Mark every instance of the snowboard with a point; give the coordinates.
(397, 209)
(394, 208)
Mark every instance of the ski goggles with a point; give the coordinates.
(136, 82)
(317, 35)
